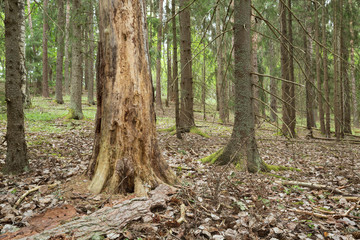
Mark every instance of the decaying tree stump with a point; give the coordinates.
(110, 221)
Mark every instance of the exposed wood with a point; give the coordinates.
(112, 220)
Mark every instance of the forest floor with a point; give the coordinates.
(218, 202)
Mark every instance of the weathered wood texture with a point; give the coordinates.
(110, 221)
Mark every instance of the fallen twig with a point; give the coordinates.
(347, 198)
(350, 209)
(311, 185)
(30, 191)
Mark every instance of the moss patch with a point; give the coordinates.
(197, 131)
(170, 129)
(213, 157)
(277, 168)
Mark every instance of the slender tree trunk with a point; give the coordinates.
(60, 53)
(75, 111)
(129, 159)
(326, 79)
(66, 50)
(170, 88)
(255, 78)
(318, 72)
(273, 87)
(90, 69)
(292, 109)
(203, 89)
(310, 97)
(352, 69)
(338, 116)
(16, 155)
(187, 99)
(242, 144)
(158, 57)
(345, 83)
(175, 73)
(288, 127)
(45, 82)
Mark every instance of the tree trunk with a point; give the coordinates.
(310, 97)
(273, 86)
(345, 86)
(292, 109)
(158, 57)
(187, 100)
(254, 77)
(203, 89)
(288, 127)
(170, 88)
(242, 144)
(318, 72)
(352, 69)
(91, 56)
(16, 155)
(338, 116)
(66, 50)
(129, 159)
(175, 72)
(45, 82)
(75, 111)
(60, 53)
(326, 79)
(221, 83)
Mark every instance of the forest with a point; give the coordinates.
(179, 119)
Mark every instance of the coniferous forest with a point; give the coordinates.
(179, 119)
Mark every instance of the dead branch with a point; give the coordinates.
(30, 191)
(347, 198)
(311, 185)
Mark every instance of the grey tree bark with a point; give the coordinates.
(242, 147)
(75, 111)
(187, 99)
(66, 50)
(45, 82)
(16, 160)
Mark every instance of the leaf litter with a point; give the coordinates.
(211, 202)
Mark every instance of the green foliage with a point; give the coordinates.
(197, 131)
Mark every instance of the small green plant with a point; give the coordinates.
(13, 191)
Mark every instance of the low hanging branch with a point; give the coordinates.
(311, 185)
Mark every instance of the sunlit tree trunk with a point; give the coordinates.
(129, 159)
(60, 53)
(242, 147)
(16, 155)
(187, 99)
(45, 72)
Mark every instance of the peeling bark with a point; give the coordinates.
(128, 158)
